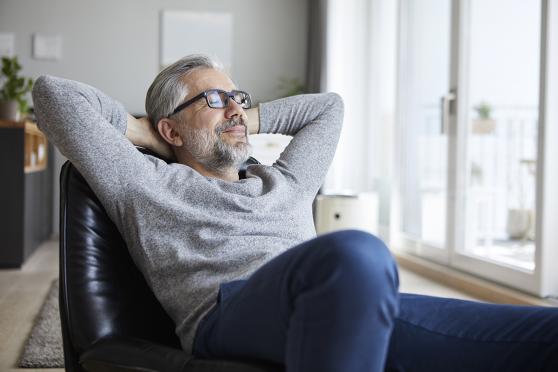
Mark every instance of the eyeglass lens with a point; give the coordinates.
(219, 99)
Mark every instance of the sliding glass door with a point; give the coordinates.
(468, 139)
(424, 68)
(498, 126)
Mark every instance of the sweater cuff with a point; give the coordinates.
(265, 118)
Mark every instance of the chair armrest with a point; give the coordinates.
(132, 354)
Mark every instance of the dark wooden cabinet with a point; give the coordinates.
(25, 191)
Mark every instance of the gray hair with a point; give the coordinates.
(168, 89)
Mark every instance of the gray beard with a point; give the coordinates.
(210, 150)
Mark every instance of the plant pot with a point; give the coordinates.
(483, 126)
(9, 110)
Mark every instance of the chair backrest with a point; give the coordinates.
(102, 293)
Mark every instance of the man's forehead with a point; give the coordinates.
(203, 79)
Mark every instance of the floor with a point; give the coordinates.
(22, 293)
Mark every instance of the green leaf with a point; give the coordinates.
(15, 87)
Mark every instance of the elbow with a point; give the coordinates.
(47, 92)
(42, 87)
(336, 105)
(43, 96)
(336, 101)
(335, 98)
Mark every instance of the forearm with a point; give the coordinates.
(310, 111)
(253, 120)
(88, 128)
(315, 122)
(63, 105)
(77, 118)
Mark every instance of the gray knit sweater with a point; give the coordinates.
(186, 232)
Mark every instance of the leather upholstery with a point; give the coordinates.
(111, 321)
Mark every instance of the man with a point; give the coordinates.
(235, 262)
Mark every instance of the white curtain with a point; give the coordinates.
(361, 66)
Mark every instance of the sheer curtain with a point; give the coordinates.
(359, 62)
(347, 73)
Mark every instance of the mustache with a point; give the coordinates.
(229, 124)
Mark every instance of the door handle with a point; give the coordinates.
(445, 106)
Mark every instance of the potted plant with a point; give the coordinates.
(13, 91)
(483, 124)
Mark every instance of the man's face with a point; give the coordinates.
(217, 138)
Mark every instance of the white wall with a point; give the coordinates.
(114, 44)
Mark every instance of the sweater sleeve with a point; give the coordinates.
(88, 128)
(314, 121)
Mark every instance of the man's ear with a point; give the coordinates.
(167, 129)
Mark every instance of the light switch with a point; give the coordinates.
(6, 44)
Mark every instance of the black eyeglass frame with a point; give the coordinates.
(204, 94)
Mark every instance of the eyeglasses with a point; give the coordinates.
(217, 98)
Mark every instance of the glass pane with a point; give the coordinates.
(502, 136)
(424, 148)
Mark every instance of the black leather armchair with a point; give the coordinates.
(111, 321)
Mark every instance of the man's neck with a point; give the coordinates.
(227, 174)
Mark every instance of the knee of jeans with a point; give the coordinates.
(363, 257)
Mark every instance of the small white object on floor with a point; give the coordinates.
(347, 211)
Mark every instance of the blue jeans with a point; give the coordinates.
(332, 304)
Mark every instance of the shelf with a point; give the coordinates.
(35, 149)
(26, 193)
(11, 124)
(36, 145)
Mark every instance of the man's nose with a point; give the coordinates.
(233, 109)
